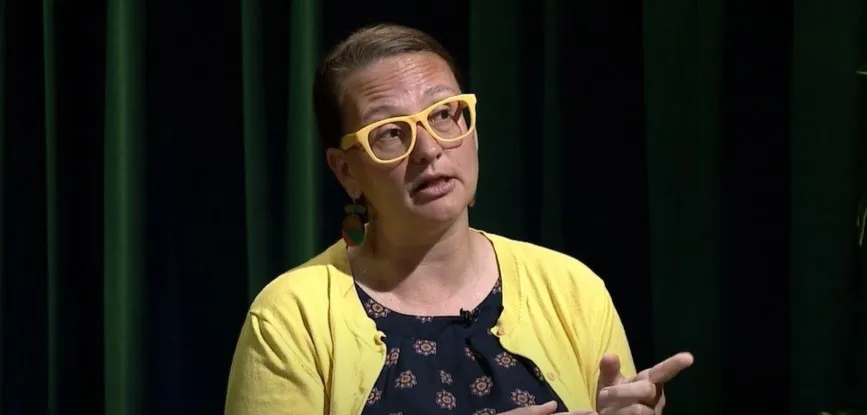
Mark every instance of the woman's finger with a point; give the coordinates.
(634, 409)
(627, 394)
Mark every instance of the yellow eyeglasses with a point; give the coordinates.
(390, 140)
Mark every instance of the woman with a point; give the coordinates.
(414, 312)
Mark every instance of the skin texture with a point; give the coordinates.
(642, 395)
(419, 256)
(402, 85)
(544, 409)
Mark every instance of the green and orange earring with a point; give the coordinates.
(353, 223)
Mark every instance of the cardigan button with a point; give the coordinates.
(552, 376)
(501, 332)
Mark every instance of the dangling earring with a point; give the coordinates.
(353, 223)
(472, 202)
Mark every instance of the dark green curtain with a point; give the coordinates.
(828, 171)
(756, 144)
(158, 166)
(683, 72)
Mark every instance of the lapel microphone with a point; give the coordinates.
(469, 316)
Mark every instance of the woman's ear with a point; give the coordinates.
(339, 165)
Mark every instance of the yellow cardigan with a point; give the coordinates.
(307, 346)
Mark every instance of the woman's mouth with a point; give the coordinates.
(433, 188)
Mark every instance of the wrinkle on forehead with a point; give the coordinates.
(399, 85)
(385, 107)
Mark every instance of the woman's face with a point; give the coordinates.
(403, 191)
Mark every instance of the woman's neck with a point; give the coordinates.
(404, 260)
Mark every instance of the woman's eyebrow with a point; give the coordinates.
(435, 92)
(439, 89)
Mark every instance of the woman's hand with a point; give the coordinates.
(545, 409)
(641, 395)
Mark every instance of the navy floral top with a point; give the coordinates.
(451, 364)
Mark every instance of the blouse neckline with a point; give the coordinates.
(351, 310)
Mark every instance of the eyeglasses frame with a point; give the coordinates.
(361, 138)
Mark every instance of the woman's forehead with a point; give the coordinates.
(400, 83)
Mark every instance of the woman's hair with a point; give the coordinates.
(359, 50)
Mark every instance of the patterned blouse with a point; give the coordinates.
(451, 364)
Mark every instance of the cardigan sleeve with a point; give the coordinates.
(613, 338)
(269, 376)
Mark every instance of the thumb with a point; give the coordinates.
(609, 371)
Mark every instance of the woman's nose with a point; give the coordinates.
(426, 148)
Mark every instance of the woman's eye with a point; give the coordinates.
(442, 115)
(389, 133)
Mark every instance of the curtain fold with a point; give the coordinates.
(496, 61)
(51, 171)
(277, 239)
(304, 156)
(552, 212)
(124, 226)
(24, 363)
(255, 149)
(683, 88)
(3, 225)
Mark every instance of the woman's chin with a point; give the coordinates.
(441, 210)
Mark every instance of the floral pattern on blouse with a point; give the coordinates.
(437, 365)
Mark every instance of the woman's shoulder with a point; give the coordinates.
(306, 287)
(545, 264)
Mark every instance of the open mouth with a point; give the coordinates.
(434, 187)
(432, 182)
